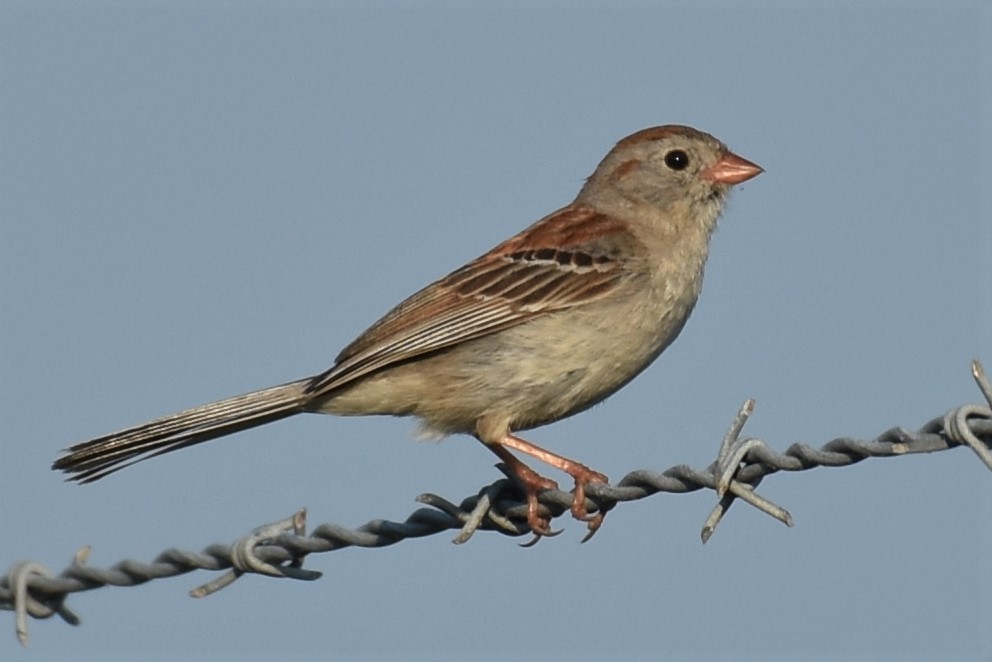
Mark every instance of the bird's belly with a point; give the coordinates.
(530, 375)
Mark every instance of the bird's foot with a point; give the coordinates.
(583, 475)
(580, 473)
(532, 484)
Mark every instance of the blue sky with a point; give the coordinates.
(198, 200)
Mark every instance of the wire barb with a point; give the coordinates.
(278, 549)
(245, 559)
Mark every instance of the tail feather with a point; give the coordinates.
(91, 460)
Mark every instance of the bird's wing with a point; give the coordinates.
(566, 259)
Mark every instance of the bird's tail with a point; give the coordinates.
(91, 460)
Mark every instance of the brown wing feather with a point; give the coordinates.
(556, 263)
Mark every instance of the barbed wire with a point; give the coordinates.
(278, 549)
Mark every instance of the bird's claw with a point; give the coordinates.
(579, 501)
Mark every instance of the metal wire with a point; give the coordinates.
(278, 549)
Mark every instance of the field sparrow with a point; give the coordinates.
(544, 325)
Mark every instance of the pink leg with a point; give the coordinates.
(533, 483)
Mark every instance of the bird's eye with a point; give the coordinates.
(677, 159)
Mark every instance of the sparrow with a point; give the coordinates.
(545, 325)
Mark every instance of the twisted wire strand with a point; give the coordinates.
(278, 549)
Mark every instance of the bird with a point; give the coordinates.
(543, 326)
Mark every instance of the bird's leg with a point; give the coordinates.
(531, 483)
(578, 471)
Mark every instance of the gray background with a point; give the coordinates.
(199, 200)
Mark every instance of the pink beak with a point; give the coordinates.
(731, 169)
